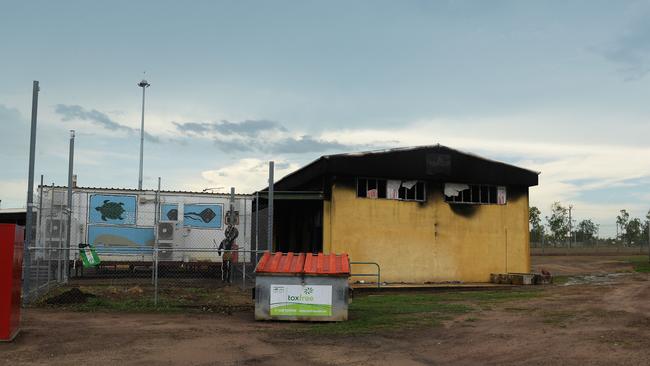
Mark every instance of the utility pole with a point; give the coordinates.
(30, 193)
(70, 169)
(143, 84)
(269, 245)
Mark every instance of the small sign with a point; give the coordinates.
(232, 218)
(296, 300)
(89, 256)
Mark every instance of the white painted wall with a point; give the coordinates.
(187, 238)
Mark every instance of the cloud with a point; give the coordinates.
(14, 193)
(308, 144)
(247, 175)
(631, 51)
(235, 146)
(260, 136)
(249, 128)
(76, 112)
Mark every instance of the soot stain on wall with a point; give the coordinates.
(465, 210)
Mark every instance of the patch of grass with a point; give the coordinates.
(372, 313)
(560, 280)
(640, 264)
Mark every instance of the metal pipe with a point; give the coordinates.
(30, 192)
(378, 274)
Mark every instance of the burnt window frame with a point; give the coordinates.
(420, 187)
(487, 195)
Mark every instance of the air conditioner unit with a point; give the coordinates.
(166, 232)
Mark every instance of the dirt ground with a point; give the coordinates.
(604, 320)
(580, 264)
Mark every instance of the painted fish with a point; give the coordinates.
(206, 215)
(111, 210)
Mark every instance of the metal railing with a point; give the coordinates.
(377, 275)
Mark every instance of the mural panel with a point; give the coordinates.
(169, 212)
(112, 209)
(121, 239)
(203, 215)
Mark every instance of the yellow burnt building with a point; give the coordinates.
(424, 214)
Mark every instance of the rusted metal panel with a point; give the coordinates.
(301, 263)
(331, 264)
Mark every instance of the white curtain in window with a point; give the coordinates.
(454, 189)
(408, 184)
(392, 189)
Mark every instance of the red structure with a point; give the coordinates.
(11, 264)
(304, 263)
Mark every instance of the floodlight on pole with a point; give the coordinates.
(143, 84)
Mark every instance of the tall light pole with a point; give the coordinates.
(144, 85)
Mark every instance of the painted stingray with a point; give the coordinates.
(111, 210)
(206, 215)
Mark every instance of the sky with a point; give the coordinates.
(560, 87)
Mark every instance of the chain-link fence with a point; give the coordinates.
(145, 247)
(148, 278)
(597, 246)
(47, 264)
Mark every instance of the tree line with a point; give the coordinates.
(561, 229)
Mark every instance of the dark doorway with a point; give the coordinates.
(298, 226)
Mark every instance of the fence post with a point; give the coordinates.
(244, 252)
(66, 264)
(60, 255)
(49, 237)
(155, 282)
(154, 271)
(155, 222)
(257, 224)
(39, 235)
